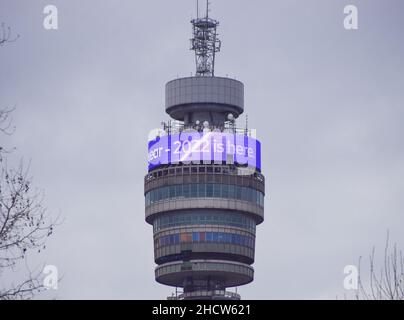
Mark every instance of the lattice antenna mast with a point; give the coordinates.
(205, 43)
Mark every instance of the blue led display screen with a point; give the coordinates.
(199, 147)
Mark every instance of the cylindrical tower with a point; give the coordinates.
(204, 190)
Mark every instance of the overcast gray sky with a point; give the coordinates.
(327, 104)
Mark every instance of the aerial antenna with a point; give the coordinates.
(205, 43)
(197, 9)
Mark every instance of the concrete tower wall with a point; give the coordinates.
(204, 98)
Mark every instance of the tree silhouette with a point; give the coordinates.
(24, 222)
(385, 282)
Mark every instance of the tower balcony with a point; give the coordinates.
(229, 274)
(207, 295)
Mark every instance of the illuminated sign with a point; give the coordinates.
(197, 147)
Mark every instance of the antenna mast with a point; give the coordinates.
(205, 43)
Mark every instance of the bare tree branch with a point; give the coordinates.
(27, 289)
(24, 226)
(24, 223)
(388, 282)
(5, 35)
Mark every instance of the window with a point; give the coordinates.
(232, 239)
(215, 237)
(188, 237)
(172, 191)
(201, 191)
(178, 191)
(238, 192)
(209, 190)
(231, 192)
(249, 194)
(225, 191)
(204, 218)
(254, 194)
(165, 241)
(186, 190)
(217, 190)
(244, 195)
(245, 241)
(147, 199)
(184, 237)
(194, 190)
(165, 193)
(242, 240)
(195, 237)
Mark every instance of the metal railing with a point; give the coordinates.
(213, 294)
(175, 127)
(195, 170)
